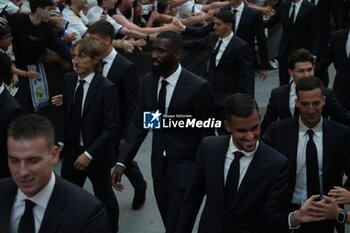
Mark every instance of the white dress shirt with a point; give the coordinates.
(76, 23)
(94, 14)
(297, 8)
(300, 190)
(41, 200)
(2, 88)
(316, 2)
(11, 8)
(222, 48)
(348, 45)
(109, 61)
(238, 14)
(244, 162)
(292, 98)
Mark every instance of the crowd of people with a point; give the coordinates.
(70, 94)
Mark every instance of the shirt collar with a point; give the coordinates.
(110, 57)
(292, 88)
(88, 78)
(227, 39)
(232, 149)
(2, 88)
(239, 8)
(172, 79)
(298, 4)
(317, 129)
(42, 198)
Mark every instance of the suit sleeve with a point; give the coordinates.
(335, 110)
(97, 221)
(110, 113)
(315, 32)
(196, 44)
(199, 31)
(194, 195)
(136, 133)
(326, 60)
(271, 114)
(246, 60)
(261, 41)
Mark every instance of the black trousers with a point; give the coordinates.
(100, 177)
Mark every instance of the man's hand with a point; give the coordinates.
(307, 212)
(3, 22)
(32, 74)
(117, 176)
(82, 162)
(57, 100)
(326, 209)
(263, 74)
(340, 195)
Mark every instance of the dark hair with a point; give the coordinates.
(102, 28)
(35, 4)
(240, 105)
(162, 5)
(91, 49)
(31, 126)
(308, 84)
(174, 37)
(5, 67)
(300, 55)
(225, 15)
(4, 30)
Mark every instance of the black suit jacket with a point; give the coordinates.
(9, 109)
(261, 196)
(304, 33)
(235, 70)
(283, 136)
(98, 121)
(193, 96)
(336, 53)
(70, 209)
(278, 107)
(250, 29)
(123, 74)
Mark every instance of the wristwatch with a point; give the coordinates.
(341, 216)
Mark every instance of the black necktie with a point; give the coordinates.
(313, 1)
(292, 14)
(26, 224)
(234, 11)
(76, 113)
(102, 66)
(162, 96)
(232, 179)
(216, 51)
(312, 175)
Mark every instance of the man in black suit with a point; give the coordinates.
(34, 190)
(9, 109)
(123, 74)
(282, 100)
(244, 180)
(90, 104)
(231, 63)
(318, 150)
(247, 25)
(338, 53)
(330, 11)
(180, 96)
(301, 29)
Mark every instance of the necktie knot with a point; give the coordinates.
(310, 132)
(29, 204)
(238, 155)
(164, 83)
(234, 11)
(81, 82)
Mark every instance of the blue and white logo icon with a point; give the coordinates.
(151, 120)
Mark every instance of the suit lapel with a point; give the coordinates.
(114, 67)
(6, 209)
(301, 12)
(242, 20)
(285, 100)
(221, 151)
(328, 138)
(91, 92)
(54, 210)
(292, 148)
(179, 89)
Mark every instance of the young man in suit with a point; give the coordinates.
(123, 74)
(318, 150)
(173, 91)
(301, 29)
(90, 104)
(35, 199)
(244, 180)
(248, 26)
(231, 62)
(338, 53)
(282, 100)
(9, 109)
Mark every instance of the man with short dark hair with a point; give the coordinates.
(318, 150)
(123, 74)
(35, 199)
(282, 100)
(171, 90)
